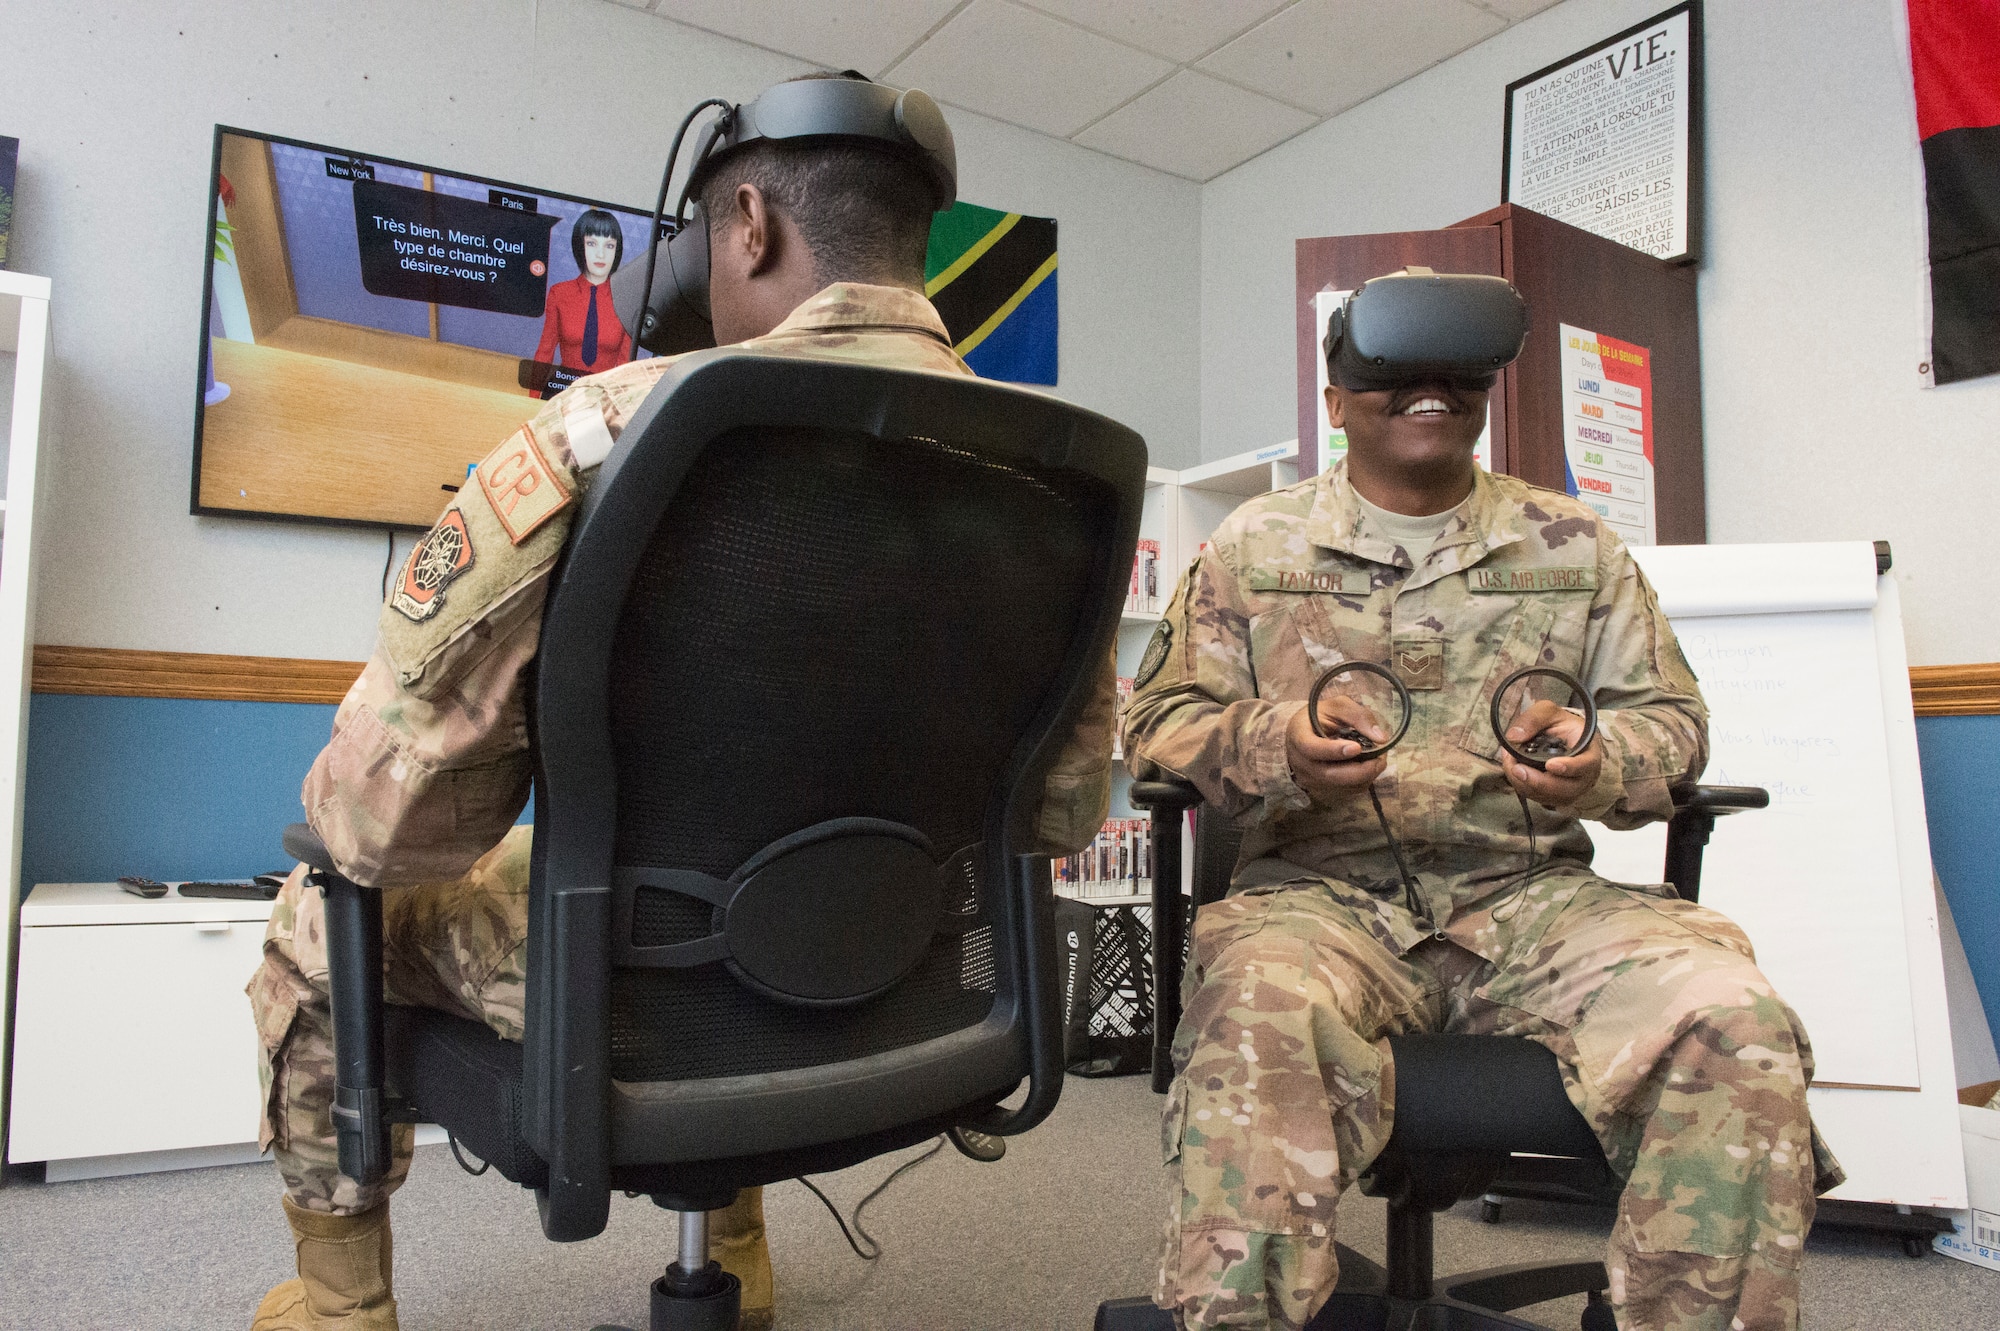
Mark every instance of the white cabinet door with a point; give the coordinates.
(134, 1037)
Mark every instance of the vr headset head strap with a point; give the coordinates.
(667, 309)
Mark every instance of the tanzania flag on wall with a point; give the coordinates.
(992, 276)
(1955, 57)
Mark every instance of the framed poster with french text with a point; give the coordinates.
(1609, 139)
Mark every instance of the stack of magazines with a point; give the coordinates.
(1119, 863)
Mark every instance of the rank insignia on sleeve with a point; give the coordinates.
(443, 554)
(524, 490)
(1156, 654)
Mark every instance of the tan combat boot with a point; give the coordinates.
(344, 1275)
(736, 1240)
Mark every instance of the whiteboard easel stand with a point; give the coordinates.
(24, 332)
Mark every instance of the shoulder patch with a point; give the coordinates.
(523, 488)
(1156, 654)
(443, 554)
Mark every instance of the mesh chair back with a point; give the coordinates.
(827, 626)
(819, 634)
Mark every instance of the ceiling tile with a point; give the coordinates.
(1195, 126)
(1180, 30)
(1516, 9)
(1331, 54)
(835, 33)
(1023, 66)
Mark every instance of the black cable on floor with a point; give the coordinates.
(859, 1206)
(484, 1165)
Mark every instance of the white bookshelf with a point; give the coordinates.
(24, 341)
(1182, 509)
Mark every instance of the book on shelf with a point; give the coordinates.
(1118, 717)
(10, 150)
(1117, 863)
(1144, 597)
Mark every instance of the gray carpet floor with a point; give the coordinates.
(1068, 1218)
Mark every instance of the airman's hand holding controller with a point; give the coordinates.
(1549, 753)
(1336, 744)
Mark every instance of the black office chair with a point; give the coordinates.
(1447, 1147)
(818, 636)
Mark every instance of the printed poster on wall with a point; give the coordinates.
(1608, 430)
(1609, 139)
(1332, 442)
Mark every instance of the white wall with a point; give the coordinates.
(115, 106)
(1811, 292)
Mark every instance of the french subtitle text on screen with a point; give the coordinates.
(419, 245)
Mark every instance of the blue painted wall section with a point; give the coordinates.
(166, 787)
(180, 788)
(1961, 762)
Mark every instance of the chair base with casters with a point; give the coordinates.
(1445, 1148)
(1436, 1158)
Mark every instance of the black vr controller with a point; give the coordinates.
(1535, 751)
(1342, 730)
(665, 303)
(1417, 324)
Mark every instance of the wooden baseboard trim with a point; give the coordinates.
(117, 672)
(1951, 690)
(1956, 690)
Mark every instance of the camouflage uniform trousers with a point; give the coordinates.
(459, 947)
(1674, 1047)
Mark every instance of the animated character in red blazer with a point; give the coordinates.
(578, 318)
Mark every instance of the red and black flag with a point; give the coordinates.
(1955, 58)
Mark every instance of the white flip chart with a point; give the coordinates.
(1800, 654)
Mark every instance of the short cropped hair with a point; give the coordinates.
(865, 212)
(597, 222)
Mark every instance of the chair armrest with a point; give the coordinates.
(1719, 800)
(1166, 801)
(1172, 794)
(354, 984)
(303, 844)
(1695, 810)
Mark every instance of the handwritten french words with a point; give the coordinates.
(419, 245)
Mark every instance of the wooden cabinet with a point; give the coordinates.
(1568, 277)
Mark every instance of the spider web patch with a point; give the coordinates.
(443, 554)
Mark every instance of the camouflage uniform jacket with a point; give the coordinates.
(428, 765)
(1297, 581)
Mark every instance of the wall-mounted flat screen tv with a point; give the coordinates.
(374, 327)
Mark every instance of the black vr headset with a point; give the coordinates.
(1417, 325)
(666, 309)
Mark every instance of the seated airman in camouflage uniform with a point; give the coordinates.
(1689, 1067)
(817, 251)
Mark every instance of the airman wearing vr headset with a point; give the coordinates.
(1466, 902)
(811, 214)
